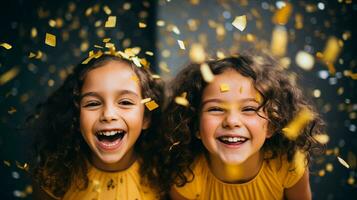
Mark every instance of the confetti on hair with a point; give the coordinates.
(197, 53)
(6, 45)
(135, 78)
(24, 166)
(155, 76)
(293, 129)
(282, 15)
(98, 46)
(142, 25)
(151, 105)
(240, 22)
(279, 41)
(111, 22)
(181, 101)
(7, 163)
(145, 100)
(136, 61)
(105, 40)
(9, 75)
(174, 144)
(206, 72)
(343, 162)
(322, 138)
(109, 45)
(224, 87)
(50, 40)
(181, 44)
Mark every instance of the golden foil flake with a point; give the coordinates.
(109, 45)
(282, 15)
(7, 163)
(136, 61)
(32, 55)
(149, 53)
(293, 129)
(151, 105)
(52, 23)
(111, 22)
(89, 11)
(145, 100)
(181, 101)
(258, 97)
(346, 35)
(332, 50)
(299, 23)
(105, 40)
(160, 23)
(11, 111)
(6, 45)
(331, 68)
(142, 25)
(9, 75)
(240, 22)
(329, 167)
(197, 53)
(220, 55)
(33, 32)
(181, 44)
(224, 87)
(352, 75)
(155, 76)
(279, 41)
(322, 172)
(322, 138)
(206, 72)
(107, 10)
(305, 60)
(50, 40)
(175, 30)
(98, 46)
(174, 144)
(24, 166)
(343, 162)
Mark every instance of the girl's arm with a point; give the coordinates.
(175, 195)
(301, 190)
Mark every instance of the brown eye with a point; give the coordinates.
(91, 104)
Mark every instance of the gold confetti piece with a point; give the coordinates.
(136, 61)
(149, 53)
(142, 25)
(9, 75)
(321, 172)
(32, 55)
(164, 67)
(175, 30)
(135, 78)
(33, 32)
(97, 46)
(50, 40)
(109, 45)
(206, 72)
(52, 23)
(332, 50)
(12, 110)
(197, 53)
(174, 144)
(25, 166)
(145, 100)
(304, 60)
(6, 45)
(151, 105)
(160, 23)
(299, 24)
(155, 76)
(220, 32)
(39, 54)
(111, 21)
(107, 10)
(322, 138)
(343, 162)
(181, 101)
(329, 167)
(258, 97)
(105, 40)
(240, 22)
(351, 180)
(279, 41)
(220, 55)
(7, 163)
(224, 87)
(181, 44)
(281, 16)
(292, 130)
(89, 11)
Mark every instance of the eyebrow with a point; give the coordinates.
(96, 94)
(220, 101)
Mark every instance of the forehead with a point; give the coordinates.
(229, 83)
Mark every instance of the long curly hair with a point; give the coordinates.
(60, 152)
(282, 100)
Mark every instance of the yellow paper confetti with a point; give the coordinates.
(111, 21)
(197, 53)
(32, 55)
(240, 22)
(9, 75)
(181, 44)
(7, 163)
(105, 40)
(149, 53)
(142, 25)
(145, 100)
(343, 162)
(50, 40)
(155, 76)
(107, 10)
(151, 105)
(136, 61)
(282, 15)
(97, 46)
(174, 144)
(304, 60)
(332, 50)
(292, 130)
(6, 45)
(224, 87)
(135, 78)
(279, 41)
(206, 72)
(181, 101)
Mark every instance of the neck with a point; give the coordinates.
(236, 173)
(124, 163)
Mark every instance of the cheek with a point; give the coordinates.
(257, 125)
(208, 125)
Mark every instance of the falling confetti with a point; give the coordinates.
(151, 105)
(111, 22)
(181, 44)
(50, 40)
(240, 22)
(143, 101)
(293, 129)
(206, 72)
(173, 145)
(279, 41)
(142, 25)
(332, 50)
(6, 45)
(181, 101)
(224, 87)
(9, 75)
(343, 162)
(304, 60)
(197, 53)
(281, 16)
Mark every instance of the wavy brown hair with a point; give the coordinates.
(282, 100)
(60, 152)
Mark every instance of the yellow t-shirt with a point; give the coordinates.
(269, 183)
(113, 186)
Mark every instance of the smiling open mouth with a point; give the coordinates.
(110, 136)
(232, 140)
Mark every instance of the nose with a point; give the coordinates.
(109, 114)
(232, 120)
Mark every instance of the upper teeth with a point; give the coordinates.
(108, 133)
(233, 139)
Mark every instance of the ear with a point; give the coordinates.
(146, 123)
